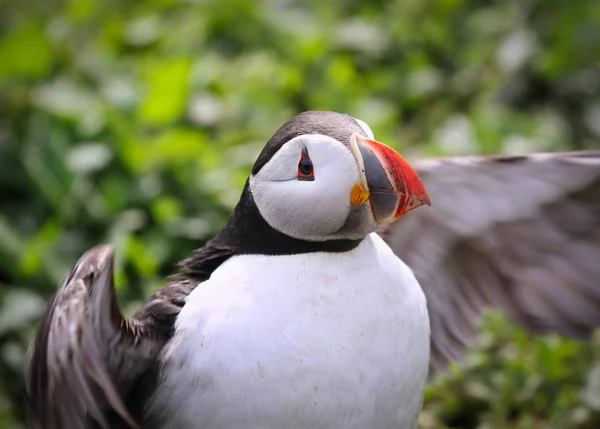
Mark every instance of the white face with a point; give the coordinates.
(318, 209)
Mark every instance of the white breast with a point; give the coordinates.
(305, 341)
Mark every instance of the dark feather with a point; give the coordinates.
(521, 234)
(86, 356)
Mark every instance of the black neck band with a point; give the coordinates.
(247, 233)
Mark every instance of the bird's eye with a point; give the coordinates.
(305, 167)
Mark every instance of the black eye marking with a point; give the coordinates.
(305, 167)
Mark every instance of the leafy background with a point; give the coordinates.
(135, 123)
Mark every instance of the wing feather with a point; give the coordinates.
(517, 233)
(86, 355)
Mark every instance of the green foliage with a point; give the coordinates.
(135, 123)
(513, 381)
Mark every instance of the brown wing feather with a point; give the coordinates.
(518, 233)
(86, 356)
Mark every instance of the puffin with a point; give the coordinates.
(296, 315)
(320, 304)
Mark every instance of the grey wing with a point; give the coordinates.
(517, 233)
(86, 356)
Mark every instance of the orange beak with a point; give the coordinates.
(393, 186)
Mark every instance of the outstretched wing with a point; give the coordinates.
(87, 357)
(518, 233)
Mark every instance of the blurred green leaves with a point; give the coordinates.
(168, 88)
(26, 53)
(136, 123)
(511, 381)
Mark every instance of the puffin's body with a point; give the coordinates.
(318, 340)
(295, 316)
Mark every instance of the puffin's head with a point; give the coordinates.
(322, 176)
